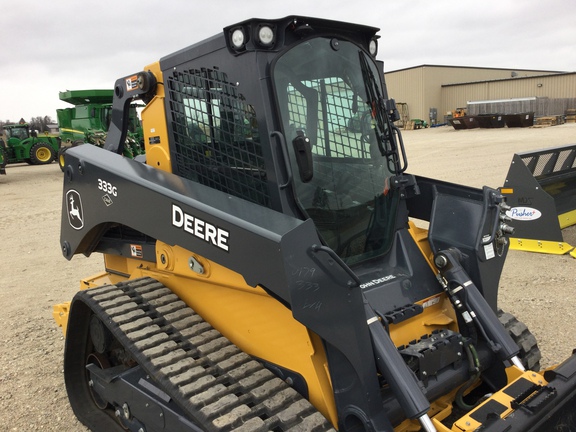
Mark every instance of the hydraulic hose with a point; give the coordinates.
(474, 367)
(470, 303)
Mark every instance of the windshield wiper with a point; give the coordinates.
(383, 129)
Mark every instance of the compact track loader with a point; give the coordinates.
(264, 265)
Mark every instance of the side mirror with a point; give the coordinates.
(392, 110)
(303, 152)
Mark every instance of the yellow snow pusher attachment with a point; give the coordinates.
(541, 190)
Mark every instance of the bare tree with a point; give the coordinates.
(40, 123)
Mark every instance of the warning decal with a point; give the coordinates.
(136, 251)
(132, 83)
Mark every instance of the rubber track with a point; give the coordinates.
(529, 352)
(220, 387)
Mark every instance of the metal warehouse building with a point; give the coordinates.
(432, 92)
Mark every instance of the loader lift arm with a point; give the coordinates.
(137, 86)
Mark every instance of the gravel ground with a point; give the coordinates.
(538, 289)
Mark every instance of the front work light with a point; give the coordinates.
(238, 38)
(373, 47)
(265, 36)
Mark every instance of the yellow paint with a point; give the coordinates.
(60, 315)
(258, 324)
(420, 236)
(72, 130)
(541, 246)
(155, 127)
(567, 219)
(467, 423)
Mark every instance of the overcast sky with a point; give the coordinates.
(52, 46)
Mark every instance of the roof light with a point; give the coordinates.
(266, 35)
(373, 47)
(238, 38)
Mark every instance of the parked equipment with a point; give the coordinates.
(30, 147)
(261, 271)
(492, 121)
(464, 122)
(89, 119)
(404, 114)
(3, 154)
(541, 189)
(519, 120)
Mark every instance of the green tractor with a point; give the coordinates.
(88, 121)
(22, 145)
(3, 155)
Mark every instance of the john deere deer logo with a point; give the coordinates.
(75, 211)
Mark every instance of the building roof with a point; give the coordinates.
(476, 67)
(547, 75)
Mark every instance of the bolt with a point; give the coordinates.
(91, 383)
(126, 410)
(440, 261)
(163, 259)
(66, 248)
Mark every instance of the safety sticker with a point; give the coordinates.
(431, 302)
(132, 83)
(488, 248)
(75, 210)
(136, 251)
